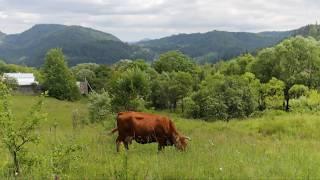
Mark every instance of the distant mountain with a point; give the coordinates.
(82, 45)
(312, 30)
(79, 44)
(2, 34)
(215, 45)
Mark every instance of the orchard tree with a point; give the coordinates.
(58, 79)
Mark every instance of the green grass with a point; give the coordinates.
(276, 145)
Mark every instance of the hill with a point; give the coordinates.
(79, 44)
(312, 30)
(82, 45)
(2, 34)
(215, 45)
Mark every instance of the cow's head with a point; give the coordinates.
(181, 142)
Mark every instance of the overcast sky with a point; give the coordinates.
(132, 20)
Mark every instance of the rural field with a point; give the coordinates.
(274, 145)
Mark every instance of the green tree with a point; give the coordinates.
(102, 78)
(130, 89)
(294, 61)
(180, 85)
(17, 134)
(159, 95)
(273, 93)
(124, 65)
(58, 79)
(298, 90)
(174, 61)
(226, 97)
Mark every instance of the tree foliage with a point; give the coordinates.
(99, 106)
(173, 61)
(16, 133)
(130, 89)
(58, 79)
(224, 97)
(293, 61)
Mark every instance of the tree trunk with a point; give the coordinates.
(182, 106)
(287, 98)
(175, 105)
(16, 163)
(287, 105)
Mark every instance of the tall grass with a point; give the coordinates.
(275, 145)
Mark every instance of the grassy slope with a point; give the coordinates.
(275, 146)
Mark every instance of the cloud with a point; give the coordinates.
(136, 19)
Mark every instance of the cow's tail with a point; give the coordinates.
(113, 131)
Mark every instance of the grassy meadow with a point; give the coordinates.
(275, 145)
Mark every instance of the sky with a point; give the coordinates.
(133, 20)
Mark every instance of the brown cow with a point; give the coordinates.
(147, 128)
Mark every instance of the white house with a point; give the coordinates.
(26, 82)
(23, 79)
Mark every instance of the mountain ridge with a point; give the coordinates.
(215, 45)
(80, 44)
(83, 44)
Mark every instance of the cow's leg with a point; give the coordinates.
(126, 145)
(118, 142)
(160, 147)
(161, 144)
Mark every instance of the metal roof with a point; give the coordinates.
(22, 78)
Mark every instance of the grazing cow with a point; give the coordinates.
(147, 128)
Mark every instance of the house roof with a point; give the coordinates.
(22, 78)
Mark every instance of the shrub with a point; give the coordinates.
(11, 83)
(129, 90)
(298, 90)
(99, 106)
(225, 98)
(191, 109)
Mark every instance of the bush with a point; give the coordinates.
(225, 98)
(298, 90)
(11, 83)
(99, 106)
(191, 109)
(310, 102)
(129, 90)
(273, 93)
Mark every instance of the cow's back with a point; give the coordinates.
(137, 124)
